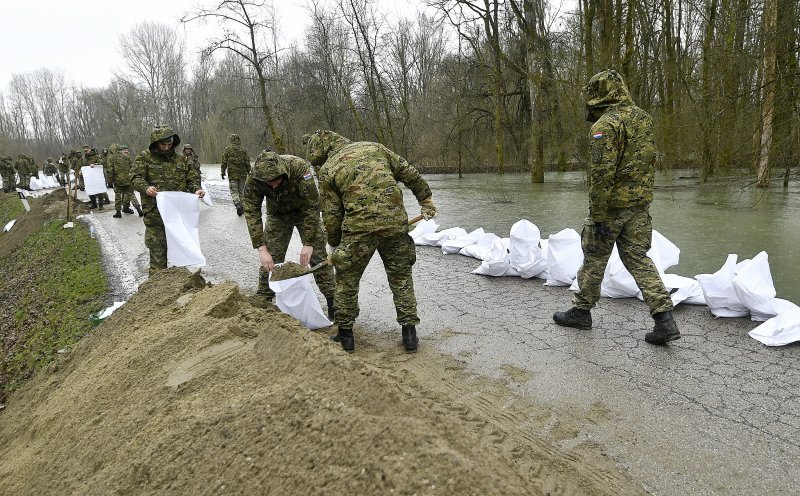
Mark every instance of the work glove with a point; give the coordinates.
(428, 209)
(601, 230)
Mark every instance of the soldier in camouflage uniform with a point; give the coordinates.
(49, 168)
(103, 197)
(8, 172)
(63, 169)
(90, 159)
(236, 162)
(119, 176)
(362, 210)
(192, 157)
(161, 168)
(292, 202)
(623, 156)
(23, 171)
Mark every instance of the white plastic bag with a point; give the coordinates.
(296, 297)
(455, 245)
(207, 197)
(437, 238)
(496, 262)
(480, 250)
(525, 256)
(754, 288)
(423, 227)
(93, 179)
(780, 330)
(688, 289)
(564, 257)
(181, 215)
(718, 290)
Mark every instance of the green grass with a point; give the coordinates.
(10, 208)
(49, 287)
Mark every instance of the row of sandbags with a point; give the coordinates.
(736, 290)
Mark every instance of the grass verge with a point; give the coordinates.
(50, 283)
(10, 208)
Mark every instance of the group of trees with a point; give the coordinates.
(466, 85)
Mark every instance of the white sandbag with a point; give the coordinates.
(718, 290)
(437, 238)
(618, 281)
(93, 179)
(545, 274)
(9, 225)
(496, 262)
(683, 289)
(49, 182)
(423, 227)
(455, 245)
(181, 215)
(296, 297)
(754, 287)
(564, 257)
(779, 330)
(207, 197)
(525, 256)
(480, 250)
(776, 307)
(35, 184)
(663, 252)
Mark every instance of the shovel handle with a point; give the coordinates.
(320, 265)
(415, 219)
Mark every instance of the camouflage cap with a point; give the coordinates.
(234, 139)
(320, 144)
(605, 89)
(187, 145)
(122, 147)
(268, 167)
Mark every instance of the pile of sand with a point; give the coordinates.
(191, 389)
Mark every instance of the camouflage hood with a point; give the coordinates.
(235, 140)
(114, 148)
(269, 167)
(162, 132)
(606, 89)
(322, 145)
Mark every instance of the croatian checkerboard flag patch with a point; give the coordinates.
(307, 176)
(597, 136)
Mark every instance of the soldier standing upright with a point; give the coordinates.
(192, 157)
(23, 171)
(362, 210)
(160, 168)
(236, 162)
(63, 169)
(292, 202)
(8, 173)
(623, 156)
(91, 159)
(119, 175)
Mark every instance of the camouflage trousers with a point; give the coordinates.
(277, 235)
(237, 191)
(632, 230)
(351, 257)
(123, 197)
(24, 181)
(9, 182)
(155, 239)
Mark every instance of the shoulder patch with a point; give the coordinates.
(307, 176)
(597, 135)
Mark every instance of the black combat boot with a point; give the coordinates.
(664, 331)
(139, 210)
(117, 215)
(331, 308)
(127, 210)
(410, 340)
(345, 338)
(574, 317)
(239, 210)
(93, 199)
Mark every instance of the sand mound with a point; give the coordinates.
(190, 389)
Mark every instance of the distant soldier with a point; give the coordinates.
(160, 168)
(623, 155)
(236, 162)
(103, 197)
(363, 212)
(49, 168)
(292, 202)
(23, 171)
(63, 169)
(8, 173)
(192, 157)
(119, 176)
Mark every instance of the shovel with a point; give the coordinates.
(290, 270)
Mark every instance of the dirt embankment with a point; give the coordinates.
(191, 389)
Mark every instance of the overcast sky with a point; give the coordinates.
(82, 36)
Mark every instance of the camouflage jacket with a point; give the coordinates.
(118, 170)
(236, 162)
(167, 172)
(22, 166)
(622, 148)
(297, 196)
(49, 168)
(6, 166)
(359, 192)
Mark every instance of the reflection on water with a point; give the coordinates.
(705, 221)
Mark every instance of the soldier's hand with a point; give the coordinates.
(200, 193)
(305, 255)
(151, 191)
(428, 209)
(601, 230)
(266, 258)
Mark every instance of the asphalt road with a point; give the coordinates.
(713, 413)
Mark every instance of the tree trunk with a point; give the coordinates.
(770, 20)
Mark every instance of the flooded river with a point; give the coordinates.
(706, 221)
